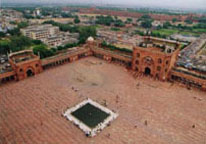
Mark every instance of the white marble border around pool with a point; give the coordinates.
(87, 130)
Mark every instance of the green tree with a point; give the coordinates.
(85, 32)
(119, 23)
(174, 20)
(188, 21)
(115, 29)
(37, 42)
(202, 19)
(146, 24)
(43, 51)
(166, 25)
(19, 43)
(76, 20)
(179, 26)
(2, 34)
(145, 17)
(4, 46)
(66, 15)
(104, 20)
(14, 32)
(13, 22)
(129, 20)
(23, 24)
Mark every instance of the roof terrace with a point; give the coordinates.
(22, 56)
(159, 45)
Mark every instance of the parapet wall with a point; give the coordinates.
(189, 80)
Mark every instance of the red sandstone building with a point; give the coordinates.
(25, 64)
(154, 57)
(160, 17)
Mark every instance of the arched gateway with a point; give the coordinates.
(25, 64)
(29, 73)
(147, 71)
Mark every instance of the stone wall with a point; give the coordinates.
(156, 64)
(188, 80)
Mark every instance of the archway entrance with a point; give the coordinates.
(29, 73)
(147, 71)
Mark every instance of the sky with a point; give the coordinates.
(186, 4)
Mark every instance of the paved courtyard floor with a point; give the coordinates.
(150, 112)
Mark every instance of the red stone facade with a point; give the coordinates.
(161, 17)
(152, 63)
(147, 61)
(25, 68)
(189, 80)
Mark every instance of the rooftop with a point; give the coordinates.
(159, 45)
(22, 56)
(4, 64)
(193, 56)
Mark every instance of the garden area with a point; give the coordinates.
(168, 29)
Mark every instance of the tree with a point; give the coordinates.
(166, 25)
(146, 24)
(66, 15)
(14, 31)
(13, 22)
(4, 46)
(28, 16)
(115, 29)
(85, 32)
(37, 42)
(119, 23)
(43, 51)
(179, 26)
(70, 45)
(202, 19)
(105, 20)
(76, 20)
(129, 20)
(188, 21)
(174, 20)
(2, 34)
(22, 25)
(139, 32)
(145, 17)
(19, 43)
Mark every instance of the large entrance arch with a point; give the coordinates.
(148, 66)
(147, 71)
(29, 73)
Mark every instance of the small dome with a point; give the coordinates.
(91, 39)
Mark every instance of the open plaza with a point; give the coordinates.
(149, 111)
(107, 74)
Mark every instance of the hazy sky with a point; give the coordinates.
(191, 4)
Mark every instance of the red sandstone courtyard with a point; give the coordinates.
(150, 112)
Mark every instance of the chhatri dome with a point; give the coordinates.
(90, 39)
